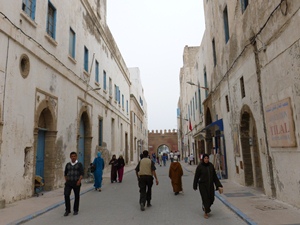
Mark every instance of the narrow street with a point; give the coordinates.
(118, 204)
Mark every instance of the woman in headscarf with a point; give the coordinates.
(206, 178)
(175, 174)
(99, 164)
(121, 164)
(114, 169)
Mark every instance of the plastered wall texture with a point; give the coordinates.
(57, 93)
(263, 51)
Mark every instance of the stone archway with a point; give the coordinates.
(85, 122)
(46, 121)
(250, 149)
(168, 138)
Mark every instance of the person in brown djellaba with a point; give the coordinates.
(175, 174)
(206, 178)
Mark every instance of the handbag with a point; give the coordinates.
(93, 168)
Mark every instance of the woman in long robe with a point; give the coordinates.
(114, 169)
(206, 178)
(99, 164)
(175, 174)
(121, 164)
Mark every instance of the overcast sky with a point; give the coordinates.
(151, 35)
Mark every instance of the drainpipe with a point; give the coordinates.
(269, 158)
(5, 76)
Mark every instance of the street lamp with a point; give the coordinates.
(191, 83)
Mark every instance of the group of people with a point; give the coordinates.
(205, 179)
(117, 168)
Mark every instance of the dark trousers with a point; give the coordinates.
(67, 192)
(145, 184)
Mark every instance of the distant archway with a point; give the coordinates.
(168, 138)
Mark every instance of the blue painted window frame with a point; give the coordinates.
(226, 24)
(51, 20)
(100, 137)
(116, 93)
(28, 6)
(244, 5)
(214, 52)
(72, 43)
(200, 103)
(104, 80)
(86, 59)
(97, 71)
(205, 82)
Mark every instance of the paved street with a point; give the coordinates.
(118, 204)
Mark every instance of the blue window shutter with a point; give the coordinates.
(97, 71)
(86, 59)
(33, 6)
(104, 80)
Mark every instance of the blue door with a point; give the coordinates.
(81, 142)
(40, 153)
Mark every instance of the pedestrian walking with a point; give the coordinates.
(192, 159)
(98, 173)
(114, 169)
(164, 158)
(206, 178)
(175, 174)
(145, 171)
(73, 174)
(121, 164)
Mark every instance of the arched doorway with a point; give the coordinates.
(250, 149)
(45, 151)
(81, 141)
(163, 149)
(84, 140)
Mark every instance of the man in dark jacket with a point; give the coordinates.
(73, 175)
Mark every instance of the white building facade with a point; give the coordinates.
(138, 114)
(64, 87)
(251, 113)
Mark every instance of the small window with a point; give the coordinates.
(28, 6)
(242, 87)
(110, 87)
(72, 42)
(116, 93)
(100, 134)
(127, 107)
(86, 59)
(244, 4)
(104, 79)
(200, 103)
(205, 82)
(122, 101)
(97, 71)
(51, 20)
(226, 24)
(214, 52)
(227, 103)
